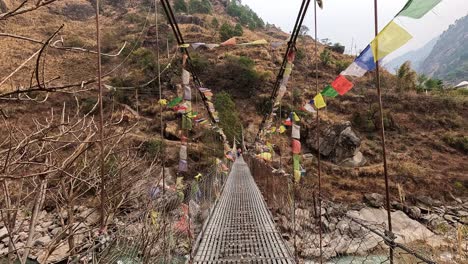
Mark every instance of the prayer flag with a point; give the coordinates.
(418, 8)
(287, 122)
(230, 42)
(297, 176)
(275, 45)
(320, 3)
(185, 77)
(296, 146)
(291, 56)
(186, 122)
(296, 162)
(391, 38)
(198, 177)
(259, 42)
(204, 89)
(288, 69)
(282, 129)
(366, 60)
(342, 85)
(187, 93)
(354, 70)
(296, 131)
(184, 45)
(197, 45)
(295, 117)
(329, 91)
(183, 152)
(211, 46)
(183, 166)
(309, 108)
(174, 102)
(162, 102)
(319, 102)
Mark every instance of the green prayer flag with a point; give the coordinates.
(174, 102)
(296, 162)
(329, 91)
(418, 8)
(186, 122)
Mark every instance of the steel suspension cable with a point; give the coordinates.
(180, 41)
(319, 169)
(291, 46)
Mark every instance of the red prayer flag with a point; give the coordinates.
(342, 85)
(229, 42)
(296, 146)
(291, 56)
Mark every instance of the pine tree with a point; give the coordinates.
(180, 6)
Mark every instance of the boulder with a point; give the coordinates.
(42, 241)
(406, 229)
(339, 143)
(374, 199)
(59, 254)
(188, 19)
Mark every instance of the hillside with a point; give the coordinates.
(49, 137)
(449, 58)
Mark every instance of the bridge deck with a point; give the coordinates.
(241, 229)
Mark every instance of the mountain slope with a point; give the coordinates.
(417, 57)
(449, 58)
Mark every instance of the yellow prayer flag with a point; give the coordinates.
(198, 177)
(273, 129)
(282, 129)
(297, 176)
(391, 38)
(260, 42)
(162, 102)
(184, 46)
(296, 117)
(154, 217)
(319, 102)
(288, 69)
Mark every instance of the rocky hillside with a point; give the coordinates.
(449, 58)
(426, 133)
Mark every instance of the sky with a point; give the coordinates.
(351, 22)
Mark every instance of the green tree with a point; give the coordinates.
(200, 7)
(180, 6)
(406, 78)
(215, 23)
(227, 31)
(325, 57)
(238, 31)
(228, 115)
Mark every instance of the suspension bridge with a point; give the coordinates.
(241, 229)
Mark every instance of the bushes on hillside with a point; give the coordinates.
(459, 142)
(229, 118)
(200, 7)
(180, 6)
(227, 31)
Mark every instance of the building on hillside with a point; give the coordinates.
(462, 85)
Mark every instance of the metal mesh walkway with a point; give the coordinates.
(241, 229)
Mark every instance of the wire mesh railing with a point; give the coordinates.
(350, 233)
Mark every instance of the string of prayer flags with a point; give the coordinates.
(342, 85)
(296, 131)
(418, 8)
(174, 102)
(296, 146)
(388, 40)
(329, 91)
(319, 102)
